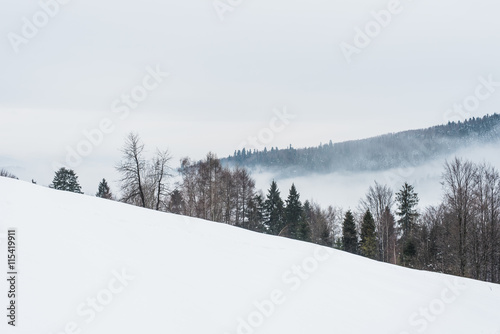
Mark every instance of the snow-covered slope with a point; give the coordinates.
(88, 265)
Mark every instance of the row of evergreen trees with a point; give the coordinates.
(394, 150)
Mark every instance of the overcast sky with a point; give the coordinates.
(232, 70)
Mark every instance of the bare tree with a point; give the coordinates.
(211, 191)
(484, 234)
(334, 217)
(133, 169)
(388, 240)
(189, 193)
(320, 223)
(377, 199)
(458, 183)
(144, 183)
(245, 192)
(159, 172)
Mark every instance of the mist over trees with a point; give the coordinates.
(460, 236)
(395, 150)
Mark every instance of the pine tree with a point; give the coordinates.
(407, 200)
(349, 235)
(256, 214)
(274, 210)
(66, 179)
(297, 227)
(368, 242)
(307, 220)
(103, 190)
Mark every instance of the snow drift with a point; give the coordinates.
(87, 265)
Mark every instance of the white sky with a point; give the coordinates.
(227, 77)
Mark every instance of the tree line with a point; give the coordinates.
(460, 236)
(393, 150)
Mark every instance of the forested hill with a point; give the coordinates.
(408, 148)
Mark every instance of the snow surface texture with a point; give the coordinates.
(88, 265)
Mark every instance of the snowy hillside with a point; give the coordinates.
(87, 265)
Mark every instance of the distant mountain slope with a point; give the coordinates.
(94, 266)
(408, 148)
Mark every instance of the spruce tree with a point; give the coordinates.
(407, 200)
(66, 179)
(368, 242)
(256, 213)
(349, 235)
(274, 210)
(294, 217)
(308, 219)
(103, 190)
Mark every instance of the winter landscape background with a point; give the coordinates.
(378, 121)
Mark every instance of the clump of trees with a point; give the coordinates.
(461, 236)
(211, 191)
(6, 173)
(228, 195)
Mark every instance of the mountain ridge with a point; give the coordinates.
(391, 150)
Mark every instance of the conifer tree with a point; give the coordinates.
(256, 213)
(297, 226)
(407, 200)
(66, 179)
(274, 210)
(293, 213)
(349, 235)
(103, 190)
(368, 242)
